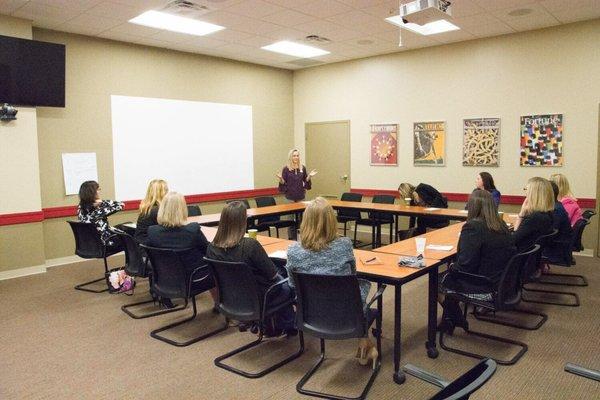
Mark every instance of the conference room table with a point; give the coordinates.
(384, 269)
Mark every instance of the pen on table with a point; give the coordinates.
(371, 259)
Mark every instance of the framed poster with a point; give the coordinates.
(481, 137)
(429, 145)
(542, 140)
(384, 144)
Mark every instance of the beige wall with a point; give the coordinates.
(547, 71)
(553, 70)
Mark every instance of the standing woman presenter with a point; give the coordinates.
(294, 181)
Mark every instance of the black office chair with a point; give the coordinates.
(528, 268)
(194, 211)
(463, 386)
(505, 297)
(268, 221)
(567, 260)
(533, 273)
(376, 219)
(345, 215)
(171, 279)
(588, 214)
(138, 266)
(89, 245)
(330, 308)
(240, 299)
(406, 233)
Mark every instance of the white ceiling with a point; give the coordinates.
(356, 28)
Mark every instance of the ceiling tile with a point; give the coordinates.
(257, 41)
(465, 8)
(361, 21)
(286, 34)
(121, 37)
(94, 21)
(205, 42)
(254, 9)
(538, 18)
(453, 36)
(134, 29)
(554, 5)
(288, 18)
(495, 5)
(240, 23)
(114, 10)
(360, 4)
(329, 30)
(80, 29)
(483, 25)
(33, 11)
(172, 37)
(323, 8)
(568, 15)
(383, 10)
(9, 6)
(143, 4)
(290, 3)
(76, 5)
(230, 35)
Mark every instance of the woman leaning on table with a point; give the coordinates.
(322, 251)
(484, 248)
(294, 181)
(426, 196)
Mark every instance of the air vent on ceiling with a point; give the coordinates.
(185, 8)
(305, 62)
(317, 38)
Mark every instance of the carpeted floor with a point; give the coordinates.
(59, 343)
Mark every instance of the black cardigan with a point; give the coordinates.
(531, 228)
(143, 223)
(481, 252)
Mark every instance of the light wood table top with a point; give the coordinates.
(211, 231)
(387, 269)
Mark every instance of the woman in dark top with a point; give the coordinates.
(559, 251)
(157, 189)
(536, 216)
(426, 196)
(484, 181)
(484, 248)
(173, 232)
(230, 244)
(294, 181)
(92, 209)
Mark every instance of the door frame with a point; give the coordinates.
(306, 124)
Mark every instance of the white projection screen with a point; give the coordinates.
(196, 147)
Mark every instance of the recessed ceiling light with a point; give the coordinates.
(170, 22)
(432, 28)
(519, 12)
(295, 49)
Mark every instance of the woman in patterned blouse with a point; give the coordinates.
(322, 251)
(92, 209)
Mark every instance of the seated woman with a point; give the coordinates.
(157, 189)
(484, 248)
(426, 196)
(92, 209)
(322, 251)
(484, 181)
(559, 251)
(565, 196)
(536, 216)
(174, 232)
(230, 245)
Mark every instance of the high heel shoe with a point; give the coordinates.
(363, 346)
(371, 355)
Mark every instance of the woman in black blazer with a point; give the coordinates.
(174, 232)
(157, 190)
(426, 196)
(484, 248)
(536, 216)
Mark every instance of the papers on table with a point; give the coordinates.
(464, 211)
(432, 209)
(279, 254)
(439, 247)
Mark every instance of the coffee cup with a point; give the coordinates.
(407, 200)
(420, 245)
(252, 233)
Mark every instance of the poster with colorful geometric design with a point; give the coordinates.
(480, 141)
(430, 139)
(542, 140)
(384, 144)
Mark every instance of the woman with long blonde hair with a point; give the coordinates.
(157, 189)
(566, 197)
(322, 251)
(536, 216)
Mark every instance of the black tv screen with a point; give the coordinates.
(32, 73)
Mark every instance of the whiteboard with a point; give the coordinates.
(78, 168)
(196, 147)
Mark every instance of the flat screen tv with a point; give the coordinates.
(32, 73)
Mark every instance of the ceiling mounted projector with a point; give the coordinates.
(422, 12)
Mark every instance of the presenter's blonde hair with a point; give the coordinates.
(290, 164)
(157, 189)
(564, 189)
(540, 196)
(172, 211)
(319, 225)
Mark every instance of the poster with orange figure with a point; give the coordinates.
(384, 144)
(542, 140)
(429, 143)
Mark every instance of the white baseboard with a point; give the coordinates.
(19, 272)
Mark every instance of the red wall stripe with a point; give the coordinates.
(70, 211)
(463, 197)
(21, 218)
